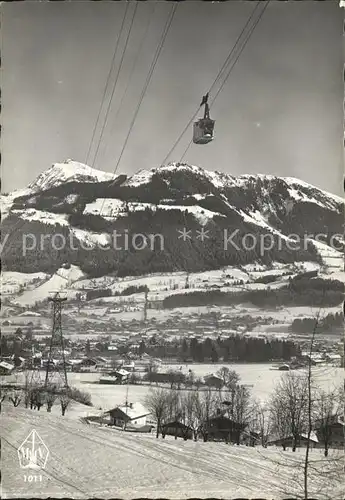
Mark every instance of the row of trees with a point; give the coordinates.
(303, 292)
(232, 348)
(331, 322)
(35, 398)
(194, 409)
(284, 415)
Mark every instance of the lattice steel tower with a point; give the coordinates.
(56, 374)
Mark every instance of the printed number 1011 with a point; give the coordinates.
(32, 478)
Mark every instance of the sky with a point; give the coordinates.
(280, 111)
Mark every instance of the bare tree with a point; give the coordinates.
(190, 379)
(64, 402)
(310, 402)
(191, 403)
(205, 406)
(238, 407)
(3, 394)
(289, 404)
(229, 377)
(278, 416)
(260, 421)
(156, 402)
(50, 398)
(327, 410)
(173, 405)
(27, 388)
(36, 399)
(176, 378)
(16, 398)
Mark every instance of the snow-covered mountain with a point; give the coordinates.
(68, 171)
(84, 207)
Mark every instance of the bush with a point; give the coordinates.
(82, 397)
(130, 290)
(95, 294)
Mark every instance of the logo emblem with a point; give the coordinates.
(33, 453)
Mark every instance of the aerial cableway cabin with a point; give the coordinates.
(203, 132)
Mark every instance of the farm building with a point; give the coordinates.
(116, 377)
(129, 415)
(222, 428)
(87, 365)
(333, 431)
(335, 359)
(121, 374)
(284, 367)
(129, 366)
(6, 368)
(177, 429)
(314, 358)
(288, 441)
(213, 381)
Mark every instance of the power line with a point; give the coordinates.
(114, 87)
(107, 83)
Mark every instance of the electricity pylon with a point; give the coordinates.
(56, 374)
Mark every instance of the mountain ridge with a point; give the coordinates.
(82, 203)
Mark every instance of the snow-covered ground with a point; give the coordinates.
(50, 218)
(59, 281)
(332, 258)
(12, 282)
(87, 461)
(35, 288)
(261, 379)
(110, 208)
(6, 201)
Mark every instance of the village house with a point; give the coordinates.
(288, 441)
(88, 365)
(129, 415)
(314, 358)
(177, 429)
(129, 366)
(222, 428)
(333, 430)
(6, 368)
(213, 381)
(334, 358)
(116, 377)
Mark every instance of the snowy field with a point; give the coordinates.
(161, 285)
(87, 461)
(261, 379)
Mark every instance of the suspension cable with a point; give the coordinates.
(148, 78)
(114, 87)
(226, 62)
(141, 45)
(241, 50)
(21, 223)
(107, 83)
(246, 40)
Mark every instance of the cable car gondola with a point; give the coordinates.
(203, 128)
